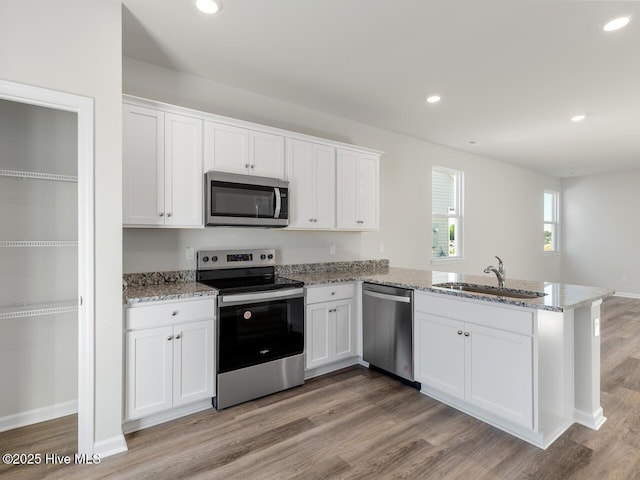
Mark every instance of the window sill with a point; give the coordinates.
(445, 260)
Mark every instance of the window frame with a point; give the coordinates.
(459, 216)
(554, 222)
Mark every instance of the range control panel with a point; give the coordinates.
(219, 259)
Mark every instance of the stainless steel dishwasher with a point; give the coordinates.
(387, 318)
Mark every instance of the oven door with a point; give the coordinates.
(246, 201)
(256, 328)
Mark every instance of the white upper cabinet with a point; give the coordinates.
(226, 148)
(266, 154)
(311, 171)
(143, 165)
(162, 168)
(183, 171)
(166, 150)
(239, 150)
(358, 190)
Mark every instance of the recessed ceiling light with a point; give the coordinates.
(616, 24)
(209, 6)
(578, 118)
(433, 99)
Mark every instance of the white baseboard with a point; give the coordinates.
(627, 294)
(594, 421)
(110, 446)
(166, 416)
(21, 419)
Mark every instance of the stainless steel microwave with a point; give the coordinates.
(245, 201)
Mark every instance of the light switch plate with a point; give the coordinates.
(596, 327)
(189, 253)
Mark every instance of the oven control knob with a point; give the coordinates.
(214, 258)
(270, 256)
(263, 256)
(205, 259)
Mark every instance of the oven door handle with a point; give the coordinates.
(236, 299)
(278, 203)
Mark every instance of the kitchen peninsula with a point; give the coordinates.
(529, 366)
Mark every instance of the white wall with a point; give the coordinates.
(601, 230)
(75, 46)
(504, 202)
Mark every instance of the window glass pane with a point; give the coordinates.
(549, 208)
(443, 193)
(549, 237)
(453, 237)
(440, 242)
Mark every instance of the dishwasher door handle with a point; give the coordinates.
(386, 296)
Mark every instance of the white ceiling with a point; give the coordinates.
(510, 73)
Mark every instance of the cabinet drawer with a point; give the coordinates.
(328, 293)
(157, 315)
(489, 315)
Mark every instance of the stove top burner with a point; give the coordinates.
(241, 271)
(251, 284)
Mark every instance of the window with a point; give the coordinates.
(551, 221)
(446, 215)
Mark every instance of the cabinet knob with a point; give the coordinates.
(459, 332)
(170, 337)
(174, 313)
(161, 214)
(253, 166)
(466, 334)
(168, 214)
(333, 293)
(178, 336)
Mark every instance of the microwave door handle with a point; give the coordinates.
(278, 202)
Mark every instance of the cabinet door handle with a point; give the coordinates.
(459, 332)
(168, 214)
(333, 293)
(246, 165)
(161, 214)
(466, 334)
(174, 313)
(178, 336)
(170, 337)
(253, 166)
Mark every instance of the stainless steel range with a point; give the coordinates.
(259, 327)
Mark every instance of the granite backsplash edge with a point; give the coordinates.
(145, 279)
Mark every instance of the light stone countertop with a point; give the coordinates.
(559, 297)
(166, 291)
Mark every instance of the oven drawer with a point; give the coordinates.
(163, 314)
(327, 293)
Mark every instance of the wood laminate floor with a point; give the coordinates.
(360, 424)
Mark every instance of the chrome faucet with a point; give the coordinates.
(500, 273)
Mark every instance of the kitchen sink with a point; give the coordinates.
(488, 290)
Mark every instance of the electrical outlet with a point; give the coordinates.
(332, 249)
(596, 327)
(189, 253)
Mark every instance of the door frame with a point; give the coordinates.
(84, 108)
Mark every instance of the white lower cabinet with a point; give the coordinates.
(169, 358)
(330, 330)
(462, 353)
